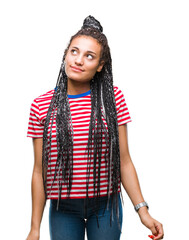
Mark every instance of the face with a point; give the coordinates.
(82, 59)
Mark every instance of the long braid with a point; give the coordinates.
(102, 106)
(60, 108)
(111, 118)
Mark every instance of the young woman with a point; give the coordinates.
(79, 132)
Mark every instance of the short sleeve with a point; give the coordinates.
(35, 126)
(123, 115)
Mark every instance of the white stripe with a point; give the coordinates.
(78, 179)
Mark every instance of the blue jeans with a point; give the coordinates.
(76, 215)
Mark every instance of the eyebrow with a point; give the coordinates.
(87, 50)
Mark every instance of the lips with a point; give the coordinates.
(76, 69)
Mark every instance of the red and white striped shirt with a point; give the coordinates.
(80, 107)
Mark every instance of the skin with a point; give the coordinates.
(84, 53)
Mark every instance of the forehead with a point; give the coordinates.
(86, 43)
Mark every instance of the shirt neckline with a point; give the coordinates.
(77, 95)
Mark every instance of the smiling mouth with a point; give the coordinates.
(76, 69)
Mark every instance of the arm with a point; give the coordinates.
(131, 184)
(38, 195)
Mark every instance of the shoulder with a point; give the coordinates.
(118, 92)
(46, 97)
(41, 102)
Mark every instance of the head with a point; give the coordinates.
(87, 53)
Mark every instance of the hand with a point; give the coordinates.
(155, 226)
(33, 235)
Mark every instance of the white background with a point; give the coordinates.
(150, 51)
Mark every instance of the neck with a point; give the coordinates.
(74, 87)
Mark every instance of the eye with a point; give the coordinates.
(89, 56)
(73, 51)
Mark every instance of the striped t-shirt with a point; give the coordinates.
(80, 107)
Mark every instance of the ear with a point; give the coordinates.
(100, 66)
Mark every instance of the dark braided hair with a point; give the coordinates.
(102, 105)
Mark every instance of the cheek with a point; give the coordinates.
(67, 59)
(67, 62)
(92, 67)
(91, 72)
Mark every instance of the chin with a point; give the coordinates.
(73, 75)
(76, 77)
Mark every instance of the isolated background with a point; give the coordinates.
(149, 44)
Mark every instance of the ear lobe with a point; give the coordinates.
(100, 66)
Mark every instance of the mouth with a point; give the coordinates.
(76, 69)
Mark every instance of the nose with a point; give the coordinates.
(79, 60)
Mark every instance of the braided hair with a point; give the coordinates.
(102, 105)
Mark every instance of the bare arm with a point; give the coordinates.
(131, 184)
(38, 195)
(129, 177)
